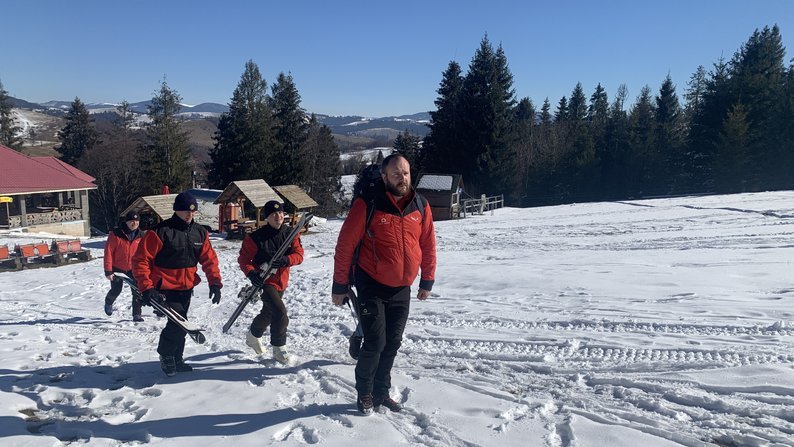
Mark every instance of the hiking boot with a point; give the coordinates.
(168, 364)
(108, 309)
(183, 367)
(387, 402)
(364, 403)
(280, 354)
(137, 318)
(254, 343)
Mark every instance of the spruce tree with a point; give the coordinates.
(324, 169)
(244, 141)
(409, 146)
(642, 158)
(440, 152)
(731, 162)
(288, 163)
(9, 131)
(669, 138)
(166, 158)
(488, 103)
(615, 170)
(78, 134)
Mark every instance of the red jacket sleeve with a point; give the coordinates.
(110, 247)
(296, 251)
(349, 236)
(427, 241)
(247, 254)
(209, 263)
(144, 258)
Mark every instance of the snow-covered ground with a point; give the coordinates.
(650, 323)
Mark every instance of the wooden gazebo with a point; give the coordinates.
(295, 199)
(257, 192)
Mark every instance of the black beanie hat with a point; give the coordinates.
(132, 215)
(185, 202)
(271, 207)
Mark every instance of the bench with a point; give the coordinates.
(7, 261)
(43, 252)
(71, 249)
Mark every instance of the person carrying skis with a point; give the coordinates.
(119, 248)
(398, 241)
(258, 248)
(165, 270)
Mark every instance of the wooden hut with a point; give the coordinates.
(443, 192)
(256, 192)
(295, 199)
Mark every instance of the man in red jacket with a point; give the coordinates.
(165, 269)
(399, 240)
(259, 248)
(119, 248)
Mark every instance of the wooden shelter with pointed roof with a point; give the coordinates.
(442, 192)
(295, 198)
(256, 192)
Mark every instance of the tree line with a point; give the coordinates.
(734, 133)
(263, 136)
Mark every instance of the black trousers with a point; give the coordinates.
(115, 290)
(383, 312)
(273, 314)
(172, 338)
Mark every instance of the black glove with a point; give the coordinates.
(256, 278)
(215, 294)
(151, 295)
(280, 262)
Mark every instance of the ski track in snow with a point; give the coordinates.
(526, 340)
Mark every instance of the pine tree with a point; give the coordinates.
(9, 131)
(730, 172)
(668, 138)
(244, 141)
(489, 100)
(409, 146)
(166, 158)
(288, 164)
(324, 168)
(642, 158)
(78, 134)
(440, 152)
(615, 171)
(527, 154)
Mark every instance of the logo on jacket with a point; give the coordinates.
(415, 219)
(198, 244)
(383, 221)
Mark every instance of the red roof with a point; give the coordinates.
(20, 174)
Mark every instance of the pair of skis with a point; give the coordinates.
(250, 293)
(189, 327)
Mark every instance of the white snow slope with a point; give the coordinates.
(652, 323)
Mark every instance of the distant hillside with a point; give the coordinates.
(352, 133)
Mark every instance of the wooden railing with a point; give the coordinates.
(46, 218)
(483, 204)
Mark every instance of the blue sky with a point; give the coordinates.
(368, 58)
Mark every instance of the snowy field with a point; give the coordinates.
(650, 323)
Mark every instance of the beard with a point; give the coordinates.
(397, 190)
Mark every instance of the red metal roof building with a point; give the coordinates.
(47, 195)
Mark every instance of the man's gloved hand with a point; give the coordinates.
(215, 294)
(256, 279)
(280, 262)
(151, 295)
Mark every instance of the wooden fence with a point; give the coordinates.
(483, 204)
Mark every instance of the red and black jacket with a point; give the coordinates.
(119, 248)
(400, 239)
(167, 257)
(259, 248)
